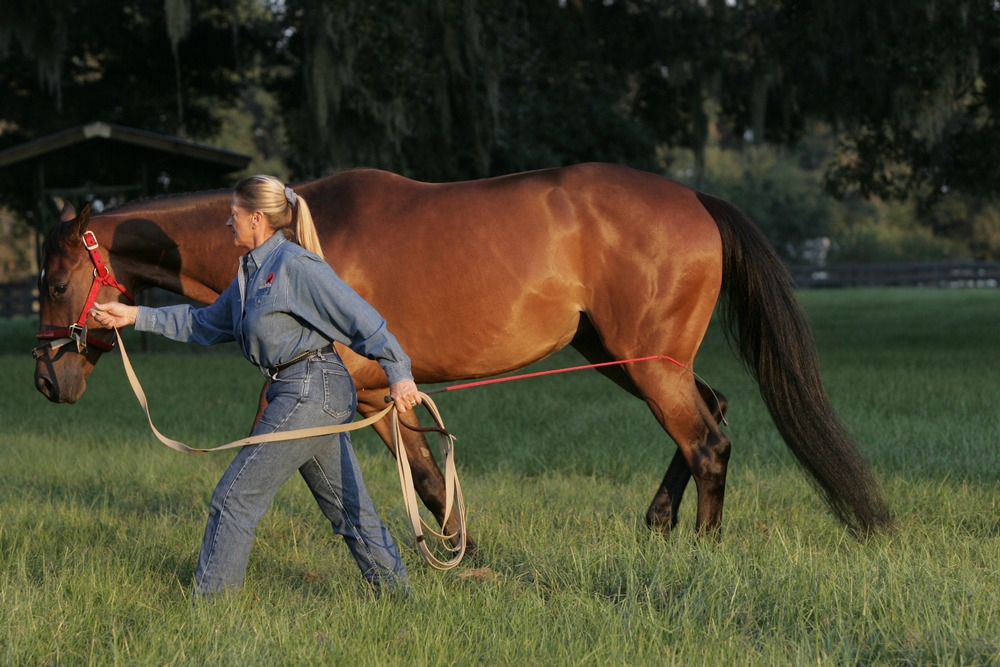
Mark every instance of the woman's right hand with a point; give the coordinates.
(113, 314)
(405, 395)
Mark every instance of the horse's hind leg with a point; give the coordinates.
(663, 511)
(686, 408)
(676, 401)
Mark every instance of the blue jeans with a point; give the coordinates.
(314, 392)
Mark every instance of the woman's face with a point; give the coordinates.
(241, 221)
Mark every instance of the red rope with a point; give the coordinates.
(553, 372)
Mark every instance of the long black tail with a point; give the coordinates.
(764, 320)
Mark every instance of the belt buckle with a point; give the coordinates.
(272, 373)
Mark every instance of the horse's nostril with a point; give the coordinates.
(44, 385)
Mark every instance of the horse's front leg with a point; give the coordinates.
(428, 480)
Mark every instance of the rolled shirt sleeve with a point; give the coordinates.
(204, 325)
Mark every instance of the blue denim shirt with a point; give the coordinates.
(285, 301)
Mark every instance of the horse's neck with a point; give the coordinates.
(177, 252)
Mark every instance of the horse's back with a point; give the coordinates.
(593, 201)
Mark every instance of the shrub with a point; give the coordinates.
(877, 231)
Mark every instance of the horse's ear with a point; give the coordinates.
(68, 212)
(83, 220)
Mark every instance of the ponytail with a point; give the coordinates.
(305, 228)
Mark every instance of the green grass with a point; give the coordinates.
(101, 524)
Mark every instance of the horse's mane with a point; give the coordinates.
(160, 200)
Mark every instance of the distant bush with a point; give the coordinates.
(985, 243)
(866, 232)
(870, 242)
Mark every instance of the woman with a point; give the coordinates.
(285, 309)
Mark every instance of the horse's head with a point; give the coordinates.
(74, 275)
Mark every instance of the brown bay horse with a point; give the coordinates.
(484, 277)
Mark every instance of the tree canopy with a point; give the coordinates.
(454, 89)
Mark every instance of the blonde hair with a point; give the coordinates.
(282, 207)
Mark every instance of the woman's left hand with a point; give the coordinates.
(405, 395)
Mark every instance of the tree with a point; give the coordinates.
(67, 63)
(912, 86)
(407, 86)
(447, 89)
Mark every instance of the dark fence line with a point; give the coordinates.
(904, 274)
(21, 298)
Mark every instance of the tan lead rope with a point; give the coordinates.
(453, 490)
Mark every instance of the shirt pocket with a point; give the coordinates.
(339, 397)
(264, 301)
(258, 317)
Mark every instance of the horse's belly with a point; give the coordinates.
(492, 342)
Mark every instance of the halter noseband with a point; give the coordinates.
(78, 332)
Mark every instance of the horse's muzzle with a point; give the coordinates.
(64, 386)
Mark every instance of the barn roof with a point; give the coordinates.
(106, 155)
(139, 140)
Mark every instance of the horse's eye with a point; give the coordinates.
(60, 289)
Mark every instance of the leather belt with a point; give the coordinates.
(274, 370)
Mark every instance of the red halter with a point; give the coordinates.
(78, 332)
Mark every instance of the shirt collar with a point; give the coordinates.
(256, 257)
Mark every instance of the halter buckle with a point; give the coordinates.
(79, 334)
(89, 240)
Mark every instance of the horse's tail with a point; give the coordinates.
(764, 320)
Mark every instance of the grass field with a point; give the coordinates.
(101, 524)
